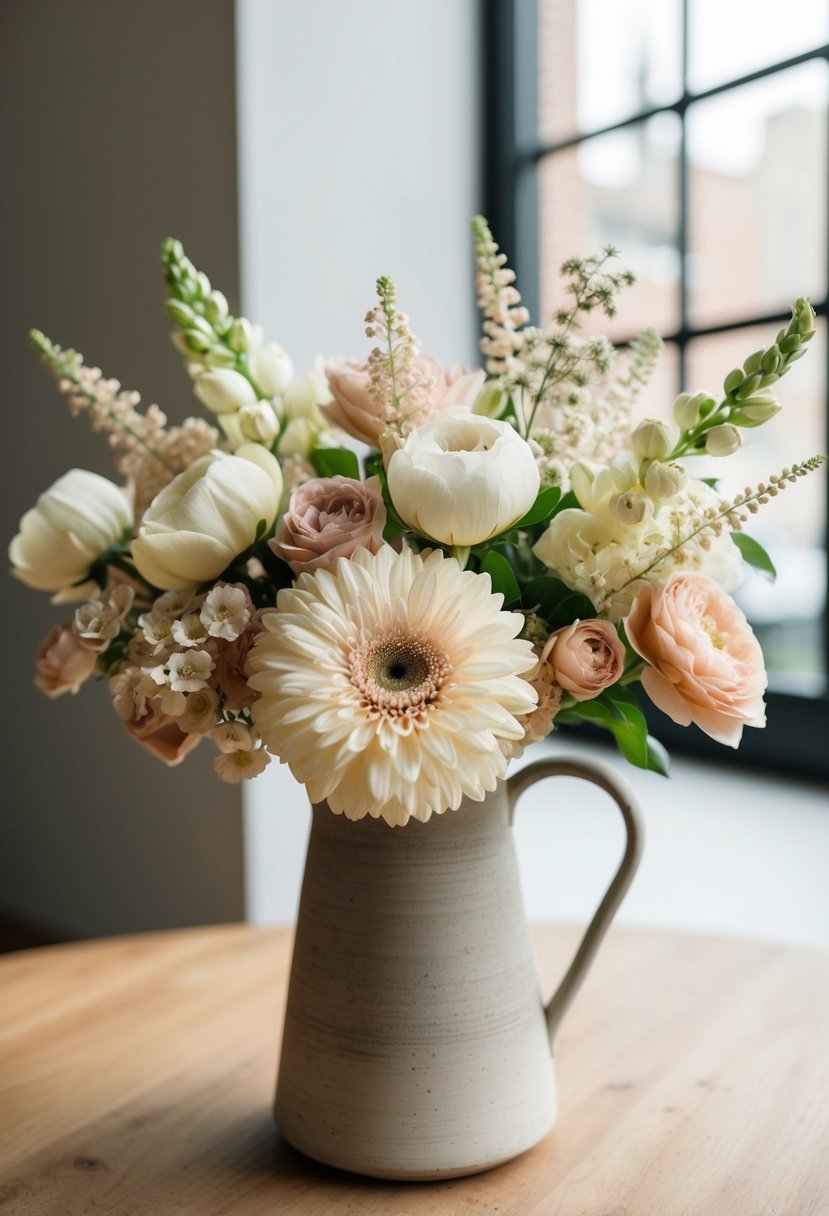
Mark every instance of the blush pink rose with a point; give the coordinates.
(585, 658)
(62, 663)
(706, 665)
(328, 518)
(162, 736)
(355, 411)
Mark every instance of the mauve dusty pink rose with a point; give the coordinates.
(162, 736)
(328, 518)
(706, 665)
(355, 411)
(62, 664)
(585, 658)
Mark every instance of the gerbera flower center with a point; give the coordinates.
(399, 673)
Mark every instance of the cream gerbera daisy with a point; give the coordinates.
(387, 682)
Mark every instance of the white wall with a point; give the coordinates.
(359, 156)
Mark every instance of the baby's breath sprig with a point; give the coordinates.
(145, 448)
(730, 514)
(207, 332)
(499, 301)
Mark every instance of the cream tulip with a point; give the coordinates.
(206, 516)
(69, 529)
(462, 478)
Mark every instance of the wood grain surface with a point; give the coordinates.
(136, 1078)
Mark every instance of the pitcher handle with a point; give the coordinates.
(622, 794)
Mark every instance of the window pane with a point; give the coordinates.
(729, 38)
(757, 183)
(618, 189)
(786, 614)
(601, 62)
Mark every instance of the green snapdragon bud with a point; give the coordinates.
(691, 408)
(756, 410)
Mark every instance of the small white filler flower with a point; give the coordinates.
(388, 682)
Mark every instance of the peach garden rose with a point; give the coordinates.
(704, 663)
(585, 658)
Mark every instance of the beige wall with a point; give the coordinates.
(119, 128)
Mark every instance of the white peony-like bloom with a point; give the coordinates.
(71, 526)
(601, 556)
(388, 682)
(206, 516)
(461, 478)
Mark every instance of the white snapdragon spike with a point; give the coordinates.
(223, 390)
(206, 517)
(462, 478)
(190, 630)
(271, 368)
(226, 612)
(190, 671)
(654, 439)
(723, 440)
(69, 529)
(258, 423)
(389, 683)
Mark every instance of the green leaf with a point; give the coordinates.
(335, 462)
(502, 578)
(542, 508)
(616, 710)
(567, 503)
(754, 553)
(261, 529)
(556, 602)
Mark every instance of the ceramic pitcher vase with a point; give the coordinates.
(416, 1043)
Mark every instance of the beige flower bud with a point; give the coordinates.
(665, 480)
(298, 438)
(258, 422)
(491, 400)
(722, 440)
(223, 390)
(630, 508)
(689, 408)
(654, 439)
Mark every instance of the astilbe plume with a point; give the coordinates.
(146, 451)
(398, 383)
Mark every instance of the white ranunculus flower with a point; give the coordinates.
(206, 516)
(223, 390)
(461, 478)
(73, 523)
(271, 368)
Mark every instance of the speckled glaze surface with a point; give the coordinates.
(416, 1044)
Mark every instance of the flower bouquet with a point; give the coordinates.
(498, 553)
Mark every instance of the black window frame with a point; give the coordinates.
(796, 741)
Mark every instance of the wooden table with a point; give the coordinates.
(136, 1077)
